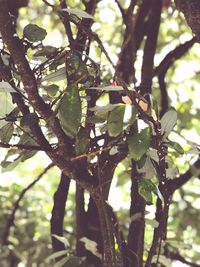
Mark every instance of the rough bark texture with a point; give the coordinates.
(191, 10)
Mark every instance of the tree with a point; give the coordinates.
(91, 120)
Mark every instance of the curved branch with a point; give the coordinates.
(177, 183)
(173, 55)
(178, 257)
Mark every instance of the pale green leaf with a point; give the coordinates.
(115, 120)
(6, 106)
(51, 89)
(91, 246)
(168, 121)
(78, 12)
(6, 132)
(6, 88)
(58, 75)
(56, 255)
(107, 88)
(62, 239)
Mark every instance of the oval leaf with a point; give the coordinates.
(176, 147)
(78, 12)
(168, 121)
(138, 144)
(51, 89)
(58, 75)
(34, 33)
(108, 88)
(69, 111)
(115, 120)
(82, 141)
(6, 132)
(146, 188)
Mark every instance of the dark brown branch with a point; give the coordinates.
(136, 228)
(123, 12)
(178, 257)
(174, 55)
(150, 47)
(81, 224)
(67, 25)
(177, 183)
(165, 64)
(81, 38)
(164, 95)
(58, 212)
(16, 205)
(133, 36)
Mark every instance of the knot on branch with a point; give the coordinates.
(191, 11)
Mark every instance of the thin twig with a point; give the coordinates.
(21, 146)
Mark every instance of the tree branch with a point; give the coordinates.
(150, 47)
(174, 55)
(177, 183)
(58, 212)
(21, 146)
(178, 257)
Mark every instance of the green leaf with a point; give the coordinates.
(168, 121)
(51, 89)
(29, 120)
(107, 88)
(9, 165)
(82, 141)
(141, 162)
(115, 120)
(138, 144)
(6, 88)
(103, 109)
(56, 255)
(6, 106)
(6, 132)
(61, 262)
(34, 33)
(73, 262)
(146, 188)
(58, 75)
(174, 145)
(78, 12)
(26, 139)
(69, 111)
